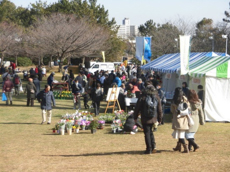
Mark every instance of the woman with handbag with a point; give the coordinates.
(197, 116)
(179, 122)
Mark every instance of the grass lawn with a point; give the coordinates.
(26, 145)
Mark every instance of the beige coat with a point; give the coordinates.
(179, 123)
(197, 116)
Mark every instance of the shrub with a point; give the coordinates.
(24, 61)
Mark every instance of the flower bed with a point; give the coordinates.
(63, 95)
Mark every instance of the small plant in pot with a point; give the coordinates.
(93, 126)
(69, 127)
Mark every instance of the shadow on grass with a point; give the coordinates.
(23, 123)
(108, 153)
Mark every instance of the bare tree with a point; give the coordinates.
(9, 35)
(65, 35)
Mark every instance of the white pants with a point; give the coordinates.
(49, 114)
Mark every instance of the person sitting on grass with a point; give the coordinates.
(130, 124)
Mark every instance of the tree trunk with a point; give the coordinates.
(83, 61)
(51, 59)
(60, 64)
(39, 60)
(41, 63)
(16, 60)
(2, 59)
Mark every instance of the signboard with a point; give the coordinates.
(168, 76)
(182, 77)
(196, 81)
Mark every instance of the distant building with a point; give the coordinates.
(126, 30)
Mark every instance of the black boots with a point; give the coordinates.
(192, 143)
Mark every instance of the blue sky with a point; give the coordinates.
(160, 11)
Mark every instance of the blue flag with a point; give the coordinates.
(147, 49)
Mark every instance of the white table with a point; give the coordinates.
(129, 101)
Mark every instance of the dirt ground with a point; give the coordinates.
(26, 145)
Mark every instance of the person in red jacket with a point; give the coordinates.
(7, 87)
(13, 66)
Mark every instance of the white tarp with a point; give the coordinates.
(139, 47)
(217, 99)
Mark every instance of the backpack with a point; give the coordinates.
(16, 80)
(151, 106)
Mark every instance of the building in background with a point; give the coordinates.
(127, 31)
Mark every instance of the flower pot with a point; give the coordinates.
(69, 131)
(114, 130)
(93, 131)
(54, 131)
(77, 130)
(62, 132)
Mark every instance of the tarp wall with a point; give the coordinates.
(217, 101)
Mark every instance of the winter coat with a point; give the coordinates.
(46, 99)
(129, 123)
(141, 107)
(31, 90)
(197, 116)
(37, 85)
(50, 80)
(76, 89)
(20, 82)
(97, 94)
(117, 80)
(8, 85)
(180, 123)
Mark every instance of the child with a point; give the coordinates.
(86, 99)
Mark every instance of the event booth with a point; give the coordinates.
(202, 72)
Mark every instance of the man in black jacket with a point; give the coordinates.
(146, 120)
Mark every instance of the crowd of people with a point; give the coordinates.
(132, 82)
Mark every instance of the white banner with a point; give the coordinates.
(139, 47)
(184, 54)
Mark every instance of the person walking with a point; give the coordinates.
(179, 124)
(197, 116)
(148, 118)
(17, 82)
(46, 98)
(76, 91)
(50, 80)
(31, 92)
(36, 82)
(7, 88)
(97, 96)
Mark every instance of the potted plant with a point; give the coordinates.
(53, 130)
(69, 127)
(101, 124)
(61, 127)
(93, 126)
(83, 124)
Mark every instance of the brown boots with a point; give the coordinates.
(185, 148)
(178, 147)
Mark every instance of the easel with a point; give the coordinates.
(113, 92)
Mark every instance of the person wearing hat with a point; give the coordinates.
(50, 80)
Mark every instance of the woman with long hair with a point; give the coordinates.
(198, 117)
(179, 123)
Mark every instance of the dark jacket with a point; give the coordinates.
(76, 89)
(50, 80)
(31, 90)
(46, 99)
(8, 85)
(37, 85)
(141, 104)
(141, 86)
(20, 82)
(185, 91)
(129, 123)
(97, 95)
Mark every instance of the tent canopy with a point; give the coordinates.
(170, 63)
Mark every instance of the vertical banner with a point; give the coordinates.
(184, 54)
(139, 47)
(103, 56)
(147, 49)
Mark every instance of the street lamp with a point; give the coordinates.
(226, 37)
